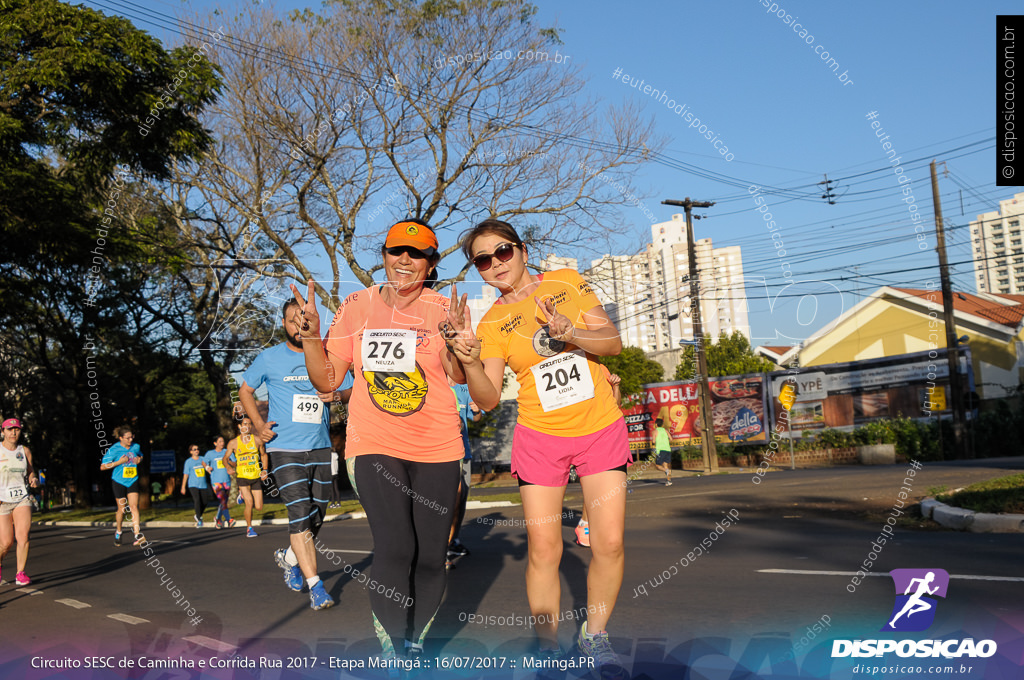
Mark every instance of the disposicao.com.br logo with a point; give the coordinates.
(913, 611)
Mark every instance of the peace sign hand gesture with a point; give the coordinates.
(559, 325)
(457, 319)
(309, 323)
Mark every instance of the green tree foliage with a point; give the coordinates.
(634, 368)
(74, 85)
(81, 356)
(731, 355)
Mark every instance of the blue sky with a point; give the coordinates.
(927, 69)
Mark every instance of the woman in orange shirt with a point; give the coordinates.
(550, 329)
(403, 428)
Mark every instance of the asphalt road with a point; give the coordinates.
(735, 610)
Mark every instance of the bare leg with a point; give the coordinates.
(122, 503)
(607, 524)
(6, 534)
(247, 497)
(22, 524)
(544, 545)
(304, 548)
(133, 505)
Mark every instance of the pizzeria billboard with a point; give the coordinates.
(737, 404)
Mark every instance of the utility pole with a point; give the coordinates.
(828, 190)
(952, 353)
(707, 442)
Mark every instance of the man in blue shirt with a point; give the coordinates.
(299, 447)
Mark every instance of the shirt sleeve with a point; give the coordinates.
(581, 291)
(490, 345)
(256, 373)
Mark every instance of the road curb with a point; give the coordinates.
(969, 520)
(162, 524)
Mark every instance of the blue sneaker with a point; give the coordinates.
(318, 597)
(292, 575)
(251, 533)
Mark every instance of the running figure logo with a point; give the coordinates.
(915, 611)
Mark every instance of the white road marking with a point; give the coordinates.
(210, 643)
(30, 591)
(74, 603)
(354, 552)
(965, 577)
(125, 618)
(73, 536)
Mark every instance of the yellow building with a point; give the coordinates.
(901, 320)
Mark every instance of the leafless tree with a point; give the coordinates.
(335, 125)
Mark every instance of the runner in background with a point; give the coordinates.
(297, 442)
(195, 476)
(468, 410)
(663, 450)
(15, 503)
(550, 328)
(220, 483)
(123, 458)
(246, 458)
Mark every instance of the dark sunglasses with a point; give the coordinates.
(413, 253)
(503, 252)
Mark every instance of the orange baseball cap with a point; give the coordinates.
(413, 235)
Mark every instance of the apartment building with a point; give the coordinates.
(997, 246)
